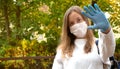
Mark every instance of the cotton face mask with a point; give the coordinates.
(79, 29)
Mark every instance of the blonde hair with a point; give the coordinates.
(67, 38)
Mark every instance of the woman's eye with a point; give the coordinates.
(71, 24)
(78, 20)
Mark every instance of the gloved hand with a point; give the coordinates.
(98, 18)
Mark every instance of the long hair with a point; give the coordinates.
(67, 38)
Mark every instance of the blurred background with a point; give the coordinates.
(30, 30)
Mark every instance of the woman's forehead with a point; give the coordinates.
(73, 16)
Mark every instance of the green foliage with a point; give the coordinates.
(118, 45)
(117, 51)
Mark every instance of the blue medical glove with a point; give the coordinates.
(98, 18)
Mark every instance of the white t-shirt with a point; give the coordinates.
(91, 60)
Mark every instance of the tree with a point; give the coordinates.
(4, 5)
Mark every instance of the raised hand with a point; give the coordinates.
(97, 16)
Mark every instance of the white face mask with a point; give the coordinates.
(79, 29)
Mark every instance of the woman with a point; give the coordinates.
(77, 49)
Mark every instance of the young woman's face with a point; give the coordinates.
(74, 18)
(77, 25)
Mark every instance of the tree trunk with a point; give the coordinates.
(93, 2)
(18, 22)
(7, 23)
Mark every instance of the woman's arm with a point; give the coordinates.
(106, 38)
(106, 44)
